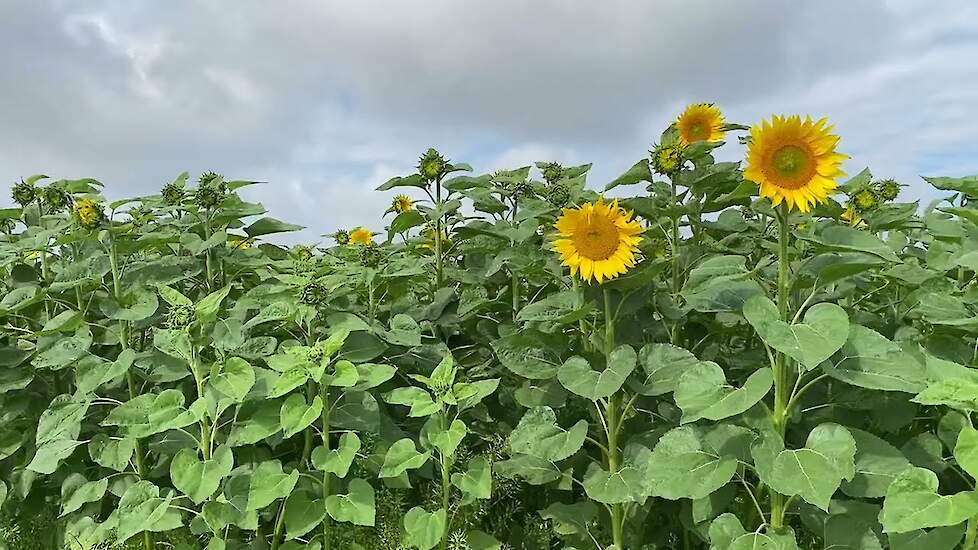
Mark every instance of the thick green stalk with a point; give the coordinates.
(324, 394)
(446, 491)
(438, 244)
(674, 242)
(148, 543)
(612, 413)
(781, 383)
(971, 535)
(515, 284)
(207, 253)
(279, 526)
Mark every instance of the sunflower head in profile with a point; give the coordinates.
(402, 203)
(700, 122)
(239, 243)
(794, 160)
(851, 216)
(887, 189)
(361, 236)
(597, 240)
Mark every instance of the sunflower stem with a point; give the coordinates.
(438, 252)
(971, 535)
(674, 241)
(781, 382)
(612, 413)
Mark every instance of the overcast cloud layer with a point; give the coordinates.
(326, 100)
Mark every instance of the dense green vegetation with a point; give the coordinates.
(746, 376)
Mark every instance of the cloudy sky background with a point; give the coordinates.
(325, 100)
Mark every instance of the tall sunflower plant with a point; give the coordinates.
(753, 354)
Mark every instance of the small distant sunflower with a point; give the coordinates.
(402, 203)
(851, 216)
(794, 160)
(239, 243)
(700, 122)
(88, 213)
(597, 240)
(361, 236)
(667, 159)
(428, 233)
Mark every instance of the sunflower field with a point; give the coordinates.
(756, 355)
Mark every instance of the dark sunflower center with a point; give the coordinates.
(699, 130)
(792, 165)
(597, 238)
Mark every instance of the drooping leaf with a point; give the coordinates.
(703, 392)
(823, 331)
(578, 377)
(538, 434)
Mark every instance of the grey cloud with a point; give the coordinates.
(327, 99)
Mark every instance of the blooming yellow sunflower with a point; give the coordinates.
(88, 213)
(402, 203)
(794, 160)
(597, 240)
(361, 236)
(700, 122)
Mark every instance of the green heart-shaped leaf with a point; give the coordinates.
(295, 415)
(199, 479)
(703, 392)
(356, 507)
(823, 331)
(577, 376)
(337, 461)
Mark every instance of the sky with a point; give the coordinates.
(325, 100)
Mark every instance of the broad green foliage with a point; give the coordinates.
(172, 378)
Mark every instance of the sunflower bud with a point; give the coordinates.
(208, 178)
(88, 214)
(341, 236)
(24, 193)
(865, 199)
(370, 255)
(887, 189)
(552, 172)
(302, 252)
(313, 294)
(431, 165)
(558, 194)
(179, 317)
(667, 159)
(55, 198)
(520, 189)
(172, 194)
